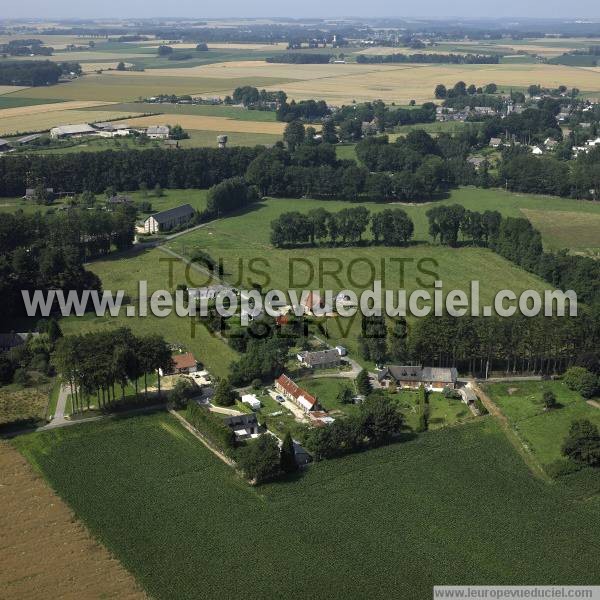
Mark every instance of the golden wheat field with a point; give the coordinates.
(8, 89)
(198, 122)
(42, 121)
(343, 83)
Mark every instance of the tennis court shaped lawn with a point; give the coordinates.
(542, 431)
(448, 507)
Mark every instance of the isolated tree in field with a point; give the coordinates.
(294, 135)
(164, 51)
(582, 445)
(549, 399)
(288, 455)
(363, 383)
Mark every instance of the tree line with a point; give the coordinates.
(47, 251)
(124, 170)
(518, 241)
(95, 364)
(34, 73)
(299, 58)
(390, 227)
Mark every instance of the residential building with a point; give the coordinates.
(476, 161)
(251, 400)
(8, 341)
(537, 150)
(342, 351)
(210, 292)
(415, 376)
(495, 142)
(118, 200)
(64, 131)
(169, 219)
(323, 359)
(183, 363)
(158, 132)
(296, 394)
(30, 193)
(244, 426)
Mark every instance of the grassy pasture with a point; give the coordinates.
(238, 240)
(578, 230)
(25, 406)
(542, 431)
(388, 519)
(123, 272)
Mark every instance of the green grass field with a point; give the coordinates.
(238, 240)
(123, 272)
(450, 507)
(542, 431)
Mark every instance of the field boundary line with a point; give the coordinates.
(189, 427)
(513, 437)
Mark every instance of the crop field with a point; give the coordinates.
(125, 87)
(8, 89)
(43, 120)
(182, 522)
(542, 431)
(400, 83)
(122, 272)
(7, 101)
(206, 110)
(35, 523)
(210, 123)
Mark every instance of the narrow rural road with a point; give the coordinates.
(61, 404)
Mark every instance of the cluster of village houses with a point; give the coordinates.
(305, 405)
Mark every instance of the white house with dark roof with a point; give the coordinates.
(158, 132)
(169, 219)
(434, 379)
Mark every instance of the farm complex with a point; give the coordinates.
(250, 266)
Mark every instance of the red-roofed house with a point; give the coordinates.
(184, 363)
(296, 394)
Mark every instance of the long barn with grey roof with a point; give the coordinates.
(169, 219)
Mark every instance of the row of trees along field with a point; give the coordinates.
(390, 227)
(47, 251)
(33, 73)
(124, 169)
(94, 364)
(480, 345)
(518, 241)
